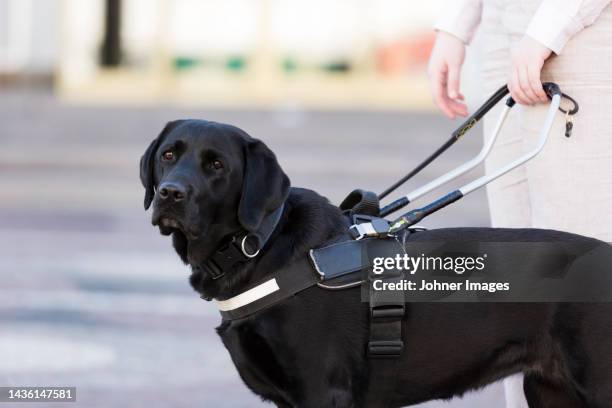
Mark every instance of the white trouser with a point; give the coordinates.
(568, 186)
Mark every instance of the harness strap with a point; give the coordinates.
(385, 345)
(383, 370)
(286, 282)
(249, 296)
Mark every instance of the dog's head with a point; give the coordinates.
(207, 180)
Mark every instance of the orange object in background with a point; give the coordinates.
(404, 55)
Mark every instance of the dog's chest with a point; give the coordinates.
(262, 365)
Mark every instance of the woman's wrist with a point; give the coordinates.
(448, 36)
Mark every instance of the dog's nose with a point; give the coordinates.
(173, 191)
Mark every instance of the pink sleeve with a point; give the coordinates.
(460, 18)
(556, 21)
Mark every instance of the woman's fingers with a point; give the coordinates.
(438, 84)
(515, 89)
(454, 73)
(528, 57)
(535, 82)
(451, 108)
(453, 94)
(525, 85)
(458, 108)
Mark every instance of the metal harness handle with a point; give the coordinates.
(417, 215)
(551, 90)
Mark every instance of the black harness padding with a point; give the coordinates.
(338, 259)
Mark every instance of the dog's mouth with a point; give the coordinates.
(167, 225)
(167, 222)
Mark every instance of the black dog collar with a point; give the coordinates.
(242, 247)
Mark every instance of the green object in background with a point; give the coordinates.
(184, 63)
(235, 63)
(231, 63)
(290, 64)
(337, 66)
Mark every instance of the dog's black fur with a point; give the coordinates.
(308, 351)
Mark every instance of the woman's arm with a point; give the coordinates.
(456, 28)
(460, 18)
(556, 21)
(553, 24)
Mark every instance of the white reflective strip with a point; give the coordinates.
(249, 296)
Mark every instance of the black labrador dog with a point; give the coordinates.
(207, 180)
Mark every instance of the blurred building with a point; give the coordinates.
(253, 53)
(28, 37)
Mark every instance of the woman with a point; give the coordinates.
(525, 42)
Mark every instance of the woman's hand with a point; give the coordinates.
(445, 72)
(524, 82)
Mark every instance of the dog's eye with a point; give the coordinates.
(217, 164)
(168, 156)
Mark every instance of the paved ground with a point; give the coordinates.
(91, 296)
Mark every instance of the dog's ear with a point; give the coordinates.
(147, 164)
(265, 186)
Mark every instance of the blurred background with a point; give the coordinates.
(90, 294)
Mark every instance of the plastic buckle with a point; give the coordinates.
(213, 270)
(385, 348)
